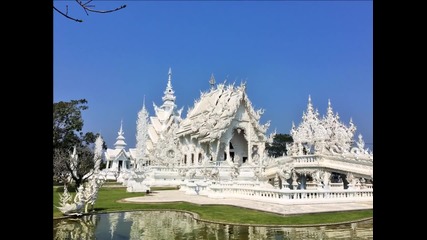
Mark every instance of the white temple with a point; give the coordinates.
(218, 150)
(118, 158)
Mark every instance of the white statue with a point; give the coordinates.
(76, 207)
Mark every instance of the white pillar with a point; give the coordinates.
(249, 143)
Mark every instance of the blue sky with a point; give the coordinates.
(283, 50)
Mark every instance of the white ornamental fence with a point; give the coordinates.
(280, 195)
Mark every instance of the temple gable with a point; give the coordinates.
(225, 125)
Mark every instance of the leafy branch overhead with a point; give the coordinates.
(87, 8)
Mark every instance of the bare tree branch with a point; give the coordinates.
(66, 14)
(88, 2)
(87, 8)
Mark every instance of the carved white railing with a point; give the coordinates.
(306, 160)
(163, 169)
(278, 196)
(240, 185)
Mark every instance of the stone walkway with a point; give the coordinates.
(285, 208)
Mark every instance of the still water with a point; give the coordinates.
(166, 225)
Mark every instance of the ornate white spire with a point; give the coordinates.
(329, 111)
(141, 131)
(120, 140)
(168, 98)
(212, 81)
(169, 78)
(143, 104)
(311, 113)
(361, 143)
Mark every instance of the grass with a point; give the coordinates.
(108, 202)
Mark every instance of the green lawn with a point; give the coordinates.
(108, 202)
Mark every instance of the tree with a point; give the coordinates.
(278, 147)
(60, 171)
(73, 167)
(68, 123)
(70, 142)
(87, 8)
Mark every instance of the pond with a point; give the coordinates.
(181, 225)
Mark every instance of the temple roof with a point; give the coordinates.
(213, 113)
(133, 153)
(113, 154)
(120, 140)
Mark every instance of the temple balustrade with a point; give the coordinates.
(281, 195)
(306, 160)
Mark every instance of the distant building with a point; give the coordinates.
(118, 158)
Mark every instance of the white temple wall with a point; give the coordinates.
(193, 152)
(184, 149)
(197, 153)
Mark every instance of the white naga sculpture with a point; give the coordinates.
(86, 196)
(87, 193)
(75, 207)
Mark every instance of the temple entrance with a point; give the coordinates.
(120, 164)
(240, 146)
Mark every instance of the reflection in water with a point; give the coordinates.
(113, 218)
(76, 228)
(179, 225)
